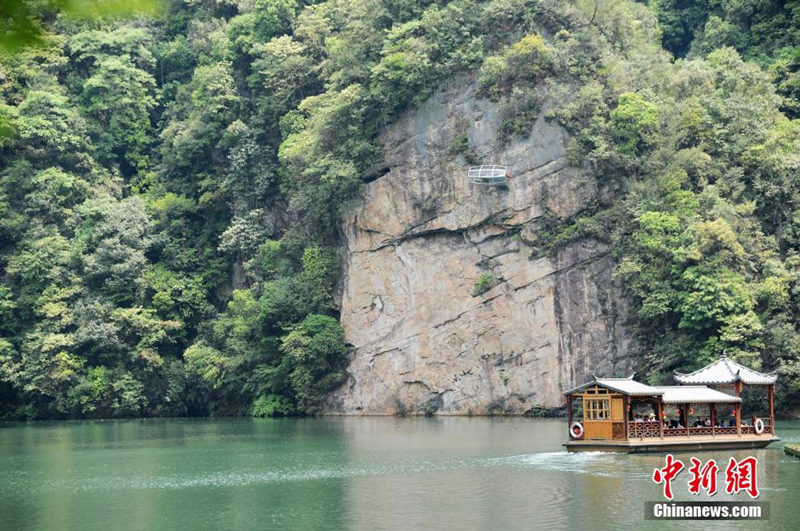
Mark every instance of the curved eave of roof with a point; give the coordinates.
(725, 371)
(626, 386)
(684, 379)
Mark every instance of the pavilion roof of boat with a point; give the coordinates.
(626, 386)
(725, 371)
(695, 394)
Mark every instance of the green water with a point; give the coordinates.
(350, 473)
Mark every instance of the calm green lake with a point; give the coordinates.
(344, 473)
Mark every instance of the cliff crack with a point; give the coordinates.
(560, 271)
(406, 236)
(457, 317)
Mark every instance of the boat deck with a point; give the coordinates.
(672, 444)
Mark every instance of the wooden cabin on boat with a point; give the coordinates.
(620, 414)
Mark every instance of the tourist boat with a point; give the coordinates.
(702, 412)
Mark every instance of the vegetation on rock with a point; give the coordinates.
(171, 185)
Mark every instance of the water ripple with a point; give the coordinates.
(594, 463)
(242, 477)
(602, 464)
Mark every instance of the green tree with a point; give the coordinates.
(634, 123)
(118, 98)
(317, 350)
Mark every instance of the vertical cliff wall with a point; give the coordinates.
(422, 236)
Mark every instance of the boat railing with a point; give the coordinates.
(649, 429)
(642, 428)
(750, 430)
(676, 432)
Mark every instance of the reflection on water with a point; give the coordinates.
(351, 473)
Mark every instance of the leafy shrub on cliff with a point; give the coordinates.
(528, 61)
(484, 283)
(511, 78)
(418, 53)
(460, 144)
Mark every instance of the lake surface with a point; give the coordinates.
(346, 473)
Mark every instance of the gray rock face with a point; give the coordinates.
(424, 340)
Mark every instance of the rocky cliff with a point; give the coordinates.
(425, 339)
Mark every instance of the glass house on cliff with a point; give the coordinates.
(489, 175)
(703, 411)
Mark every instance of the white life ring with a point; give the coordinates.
(576, 430)
(758, 425)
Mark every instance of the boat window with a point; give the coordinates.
(597, 409)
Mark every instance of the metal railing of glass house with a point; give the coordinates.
(489, 175)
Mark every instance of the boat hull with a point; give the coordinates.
(682, 444)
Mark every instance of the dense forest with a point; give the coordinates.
(172, 182)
